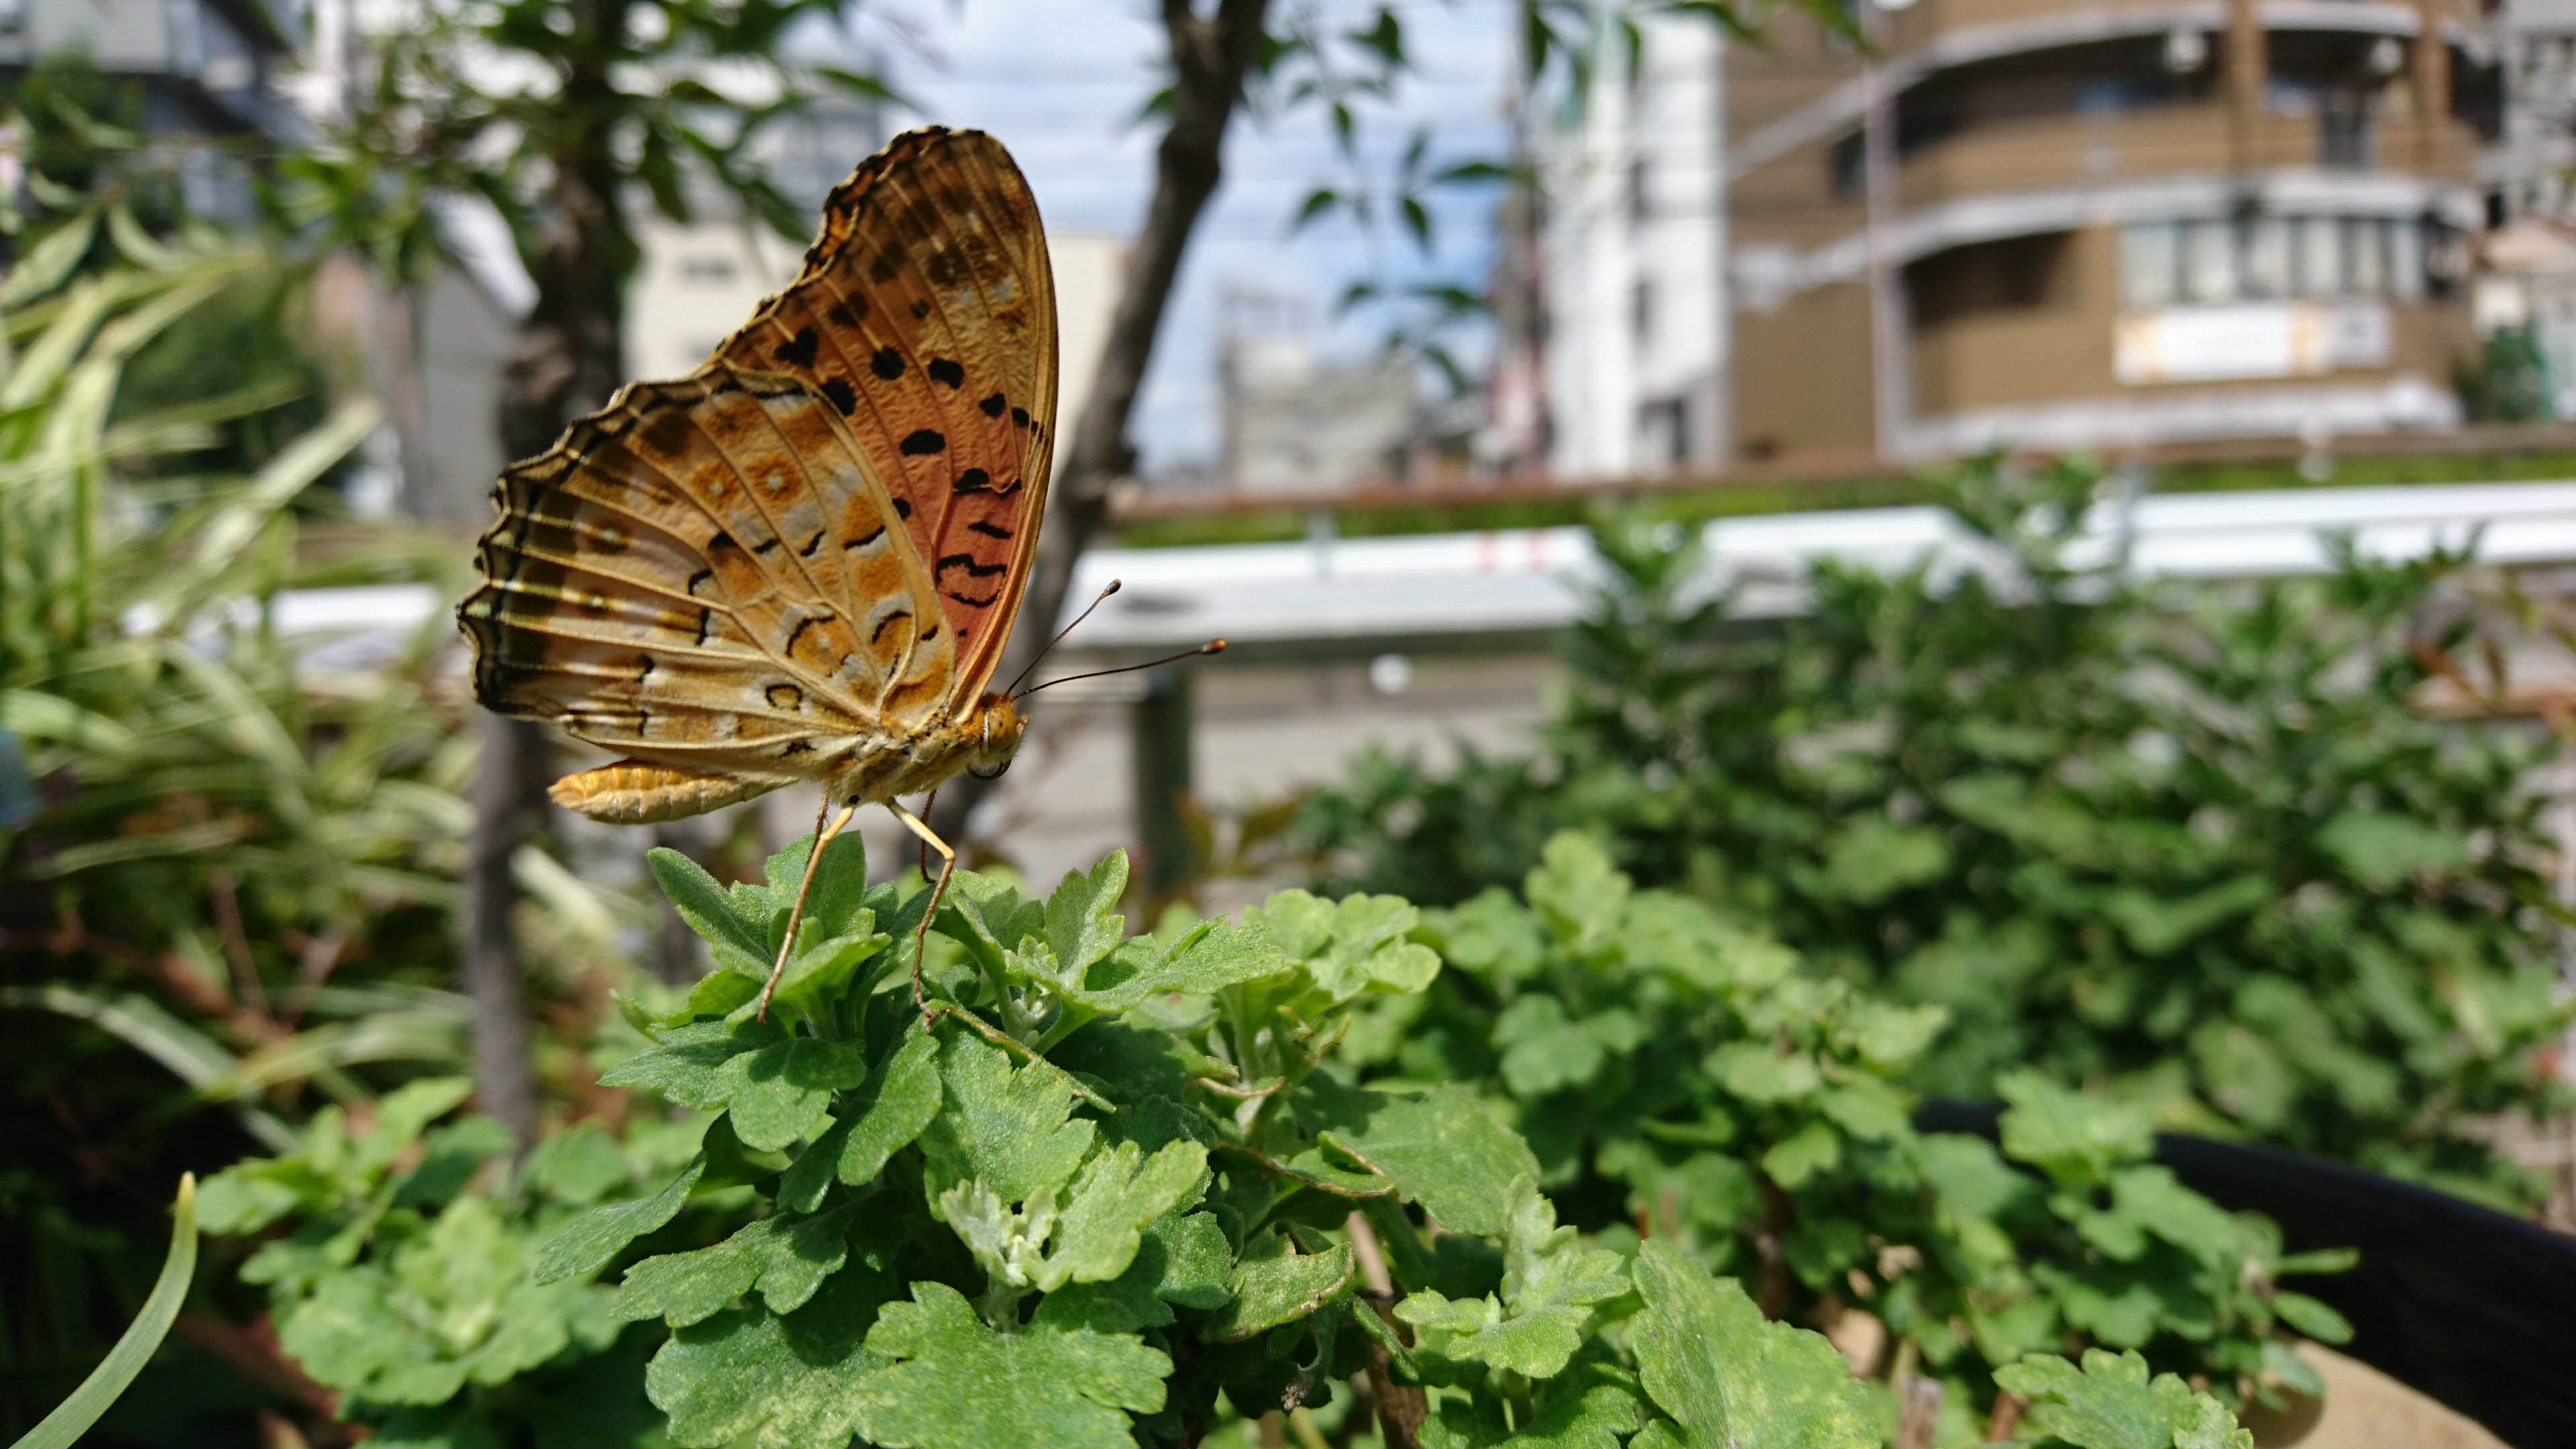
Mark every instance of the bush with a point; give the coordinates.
(2195, 848)
(1675, 1071)
(1105, 1190)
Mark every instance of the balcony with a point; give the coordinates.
(2051, 153)
(1929, 20)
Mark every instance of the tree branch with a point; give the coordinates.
(1211, 58)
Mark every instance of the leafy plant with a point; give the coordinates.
(1680, 1073)
(1097, 1189)
(2196, 846)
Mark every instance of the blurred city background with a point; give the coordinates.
(1573, 414)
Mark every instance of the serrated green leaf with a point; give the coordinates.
(2075, 1139)
(1731, 1380)
(602, 1233)
(1442, 1149)
(1348, 948)
(695, 1065)
(855, 1149)
(956, 1384)
(1120, 1192)
(782, 1093)
(1590, 1407)
(749, 1376)
(1206, 959)
(1004, 1126)
(1182, 1259)
(2110, 1403)
(1536, 1344)
(785, 1257)
(1273, 1285)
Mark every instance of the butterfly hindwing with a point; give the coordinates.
(669, 581)
(925, 315)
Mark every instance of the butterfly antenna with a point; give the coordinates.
(1213, 646)
(1014, 691)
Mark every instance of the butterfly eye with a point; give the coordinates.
(999, 771)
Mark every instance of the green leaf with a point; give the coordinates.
(1813, 1148)
(1273, 1285)
(1354, 947)
(785, 1257)
(1207, 958)
(2075, 1139)
(1536, 1325)
(1120, 1192)
(1730, 1379)
(704, 908)
(750, 1376)
(783, 1092)
(857, 1147)
(697, 1065)
(1577, 890)
(1759, 1072)
(602, 1233)
(2111, 1404)
(1873, 859)
(1003, 1126)
(1543, 1052)
(1591, 1407)
(2315, 1319)
(134, 1348)
(1442, 1149)
(2382, 850)
(956, 1384)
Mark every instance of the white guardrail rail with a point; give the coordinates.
(1330, 597)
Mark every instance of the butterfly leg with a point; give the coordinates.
(796, 916)
(947, 867)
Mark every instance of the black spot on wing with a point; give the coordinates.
(972, 602)
(922, 444)
(942, 369)
(801, 349)
(887, 364)
(873, 535)
(1020, 417)
(847, 313)
(974, 480)
(841, 395)
(811, 545)
(993, 405)
(920, 310)
(877, 634)
(783, 696)
(989, 530)
(967, 562)
(903, 508)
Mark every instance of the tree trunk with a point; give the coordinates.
(568, 357)
(1211, 57)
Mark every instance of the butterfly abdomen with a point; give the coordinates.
(632, 792)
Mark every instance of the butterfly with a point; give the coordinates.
(802, 561)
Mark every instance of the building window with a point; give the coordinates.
(2262, 258)
(2209, 272)
(1640, 203)
(2147, 266)
(1641, 310)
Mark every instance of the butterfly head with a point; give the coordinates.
(999, 726)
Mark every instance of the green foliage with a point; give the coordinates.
(222, 889)
(1678, 1072)
(1050, 1209)
(2197, 845)
(2110, 1403)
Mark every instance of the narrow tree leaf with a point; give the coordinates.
(602, 1233)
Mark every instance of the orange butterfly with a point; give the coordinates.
(801, 561)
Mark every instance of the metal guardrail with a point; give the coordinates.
(1345, 598)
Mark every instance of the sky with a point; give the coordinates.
(1060, 82)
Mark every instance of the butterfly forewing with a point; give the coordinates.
(925, 315)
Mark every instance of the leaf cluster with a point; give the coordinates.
(1096, 1190)
(2196, 842)
(1680, 1075)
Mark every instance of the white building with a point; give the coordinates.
(1631, 232)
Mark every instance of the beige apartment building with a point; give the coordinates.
(2102, 224)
